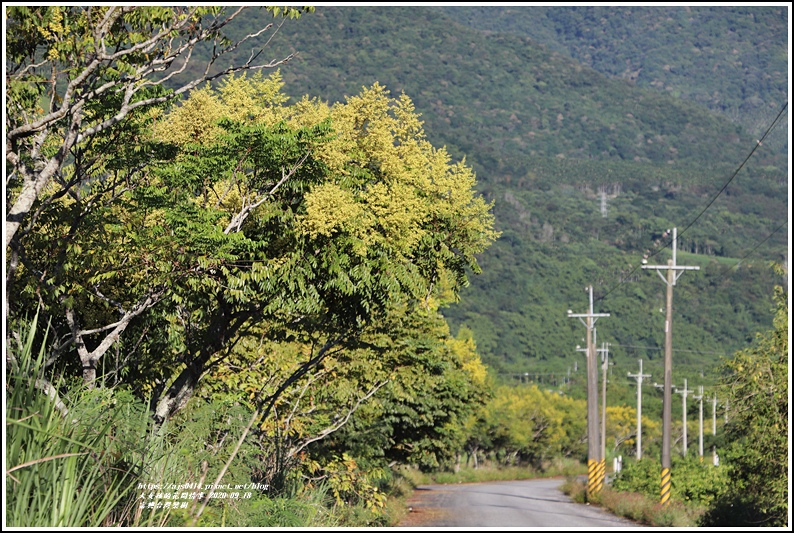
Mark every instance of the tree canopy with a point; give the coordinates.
(76, 72)
(756, 383)
(305, 221)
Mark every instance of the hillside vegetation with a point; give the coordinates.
(549, 135)
(732, 60)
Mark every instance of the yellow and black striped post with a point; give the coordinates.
(665, 486)
(596, 475)
(593, 479)
(603, 472)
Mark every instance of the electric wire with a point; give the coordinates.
(725, 271)
(659, 248)
(662, 348)
(759, 142)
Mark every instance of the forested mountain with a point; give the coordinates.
(587, 166)
(733, 60)
(590, 143)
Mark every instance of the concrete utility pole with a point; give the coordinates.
(639, 378)
(685, 392)
(604, 364)
(714, 428)
(673, 273)
(700, 422)
(595, 467)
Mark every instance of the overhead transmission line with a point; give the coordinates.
(659, 248)
(662, 348)
(758, 143)
(725, 271)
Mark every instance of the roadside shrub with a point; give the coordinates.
(574, 488)
(639, 476)
(692, 481)
(698, 482)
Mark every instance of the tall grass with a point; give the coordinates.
(295, 508)
(68, 464)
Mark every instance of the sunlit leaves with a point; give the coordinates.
(529, 424)
(756, 382)
(289, 11)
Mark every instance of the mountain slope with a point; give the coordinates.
(731, 59)
(496, 93)
(552, 142)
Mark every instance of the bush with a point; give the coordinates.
(692, 481)
(698, 482)
(630, 505)
(308, 509)
(647, 510)
(576, 489)
(639, 476)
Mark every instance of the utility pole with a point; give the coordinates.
(684, 393)
(714, 428)
(604, 364)
(594, 479)
(700, 422)
(673, 273)
(639, 378)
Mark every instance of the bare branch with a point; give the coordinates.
(35, 170)
(89, 359)
(36, 182)
(341, 421)
(239, 218)
(185, 88)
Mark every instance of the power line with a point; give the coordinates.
(745, 256)
(659, 248)
(661, 348)
(758, 143)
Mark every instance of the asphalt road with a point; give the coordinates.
(529, 503)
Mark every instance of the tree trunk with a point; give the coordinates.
(181, 390)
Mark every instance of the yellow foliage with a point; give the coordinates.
(525, 418)
(622, 422)
(405, 180)
(195, 121)
(387, 181)
(255, 100)
(330, 208)
(465, 349)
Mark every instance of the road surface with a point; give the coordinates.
(528, 503)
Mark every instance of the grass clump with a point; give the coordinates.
(74, 455)
(489, 471)
(634, 506)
